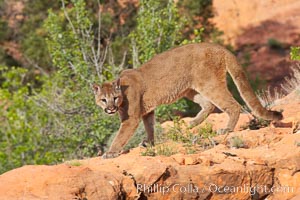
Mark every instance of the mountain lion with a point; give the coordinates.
(194, 71)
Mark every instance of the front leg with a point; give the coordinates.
(125, 132)
(130, 115)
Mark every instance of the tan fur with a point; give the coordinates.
(195, 71)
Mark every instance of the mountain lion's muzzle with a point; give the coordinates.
(111, 110)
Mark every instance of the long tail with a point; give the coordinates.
(240, 79)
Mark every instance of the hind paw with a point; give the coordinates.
(146, 144)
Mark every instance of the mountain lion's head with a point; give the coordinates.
(108, 96)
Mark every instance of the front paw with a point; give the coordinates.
(193, 123)
(109, 155)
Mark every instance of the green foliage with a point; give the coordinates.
(206, 131)
(79, 59)
(191, 140)
(204, 136)
(295, 53)
(48, 127)
(183, 133)
(150, 151)
(198, 33)
(67, 45)
(18, 118)
(33, 33)
(158, 29)
(74, 163)
(58, 121)
(165, 150)
(167, 112)
(180, 132)
(160, 150)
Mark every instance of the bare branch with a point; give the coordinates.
(135, 54)
(68, 18)
(35, 65)
(75, 70)
(99, 29)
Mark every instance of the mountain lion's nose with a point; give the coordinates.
(111, 108)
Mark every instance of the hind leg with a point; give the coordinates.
(149, 121)
(224, 100)
(206, 107)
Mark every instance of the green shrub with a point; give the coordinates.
(30, 35)
(80, 60)
(150, 151)
(180, 132)
(295, 53)
(58, 121)
(158, 29)
(160, 150)
(19, 124)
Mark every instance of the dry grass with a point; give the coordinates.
(293, 83)
(269, 97)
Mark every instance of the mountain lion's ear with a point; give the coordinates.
(96, 88)
(117, 84)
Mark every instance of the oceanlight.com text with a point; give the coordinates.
(213, 188)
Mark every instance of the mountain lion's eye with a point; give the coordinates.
(103, 100)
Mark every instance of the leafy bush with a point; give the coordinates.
(31, 35)
(295, 53)
(20, 139)
(158, 29)
(160, 150)
(59, 120)
(80, 60)
(39, 129)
